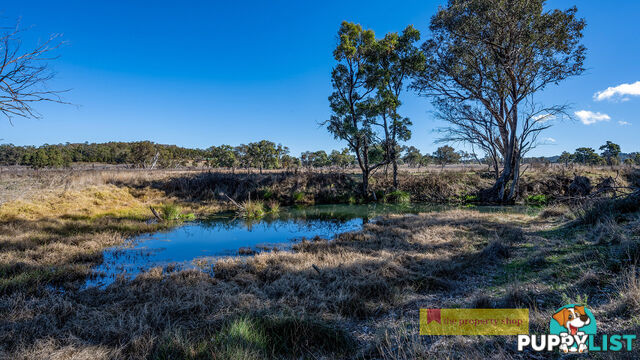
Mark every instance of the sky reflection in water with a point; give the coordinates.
(223, 235)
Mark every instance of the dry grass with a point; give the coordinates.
(93, 201)
(353, 297)
(432, 184)
(53, 237)
(629, 290)
(362, 276)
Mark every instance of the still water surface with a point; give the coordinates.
(224, 234)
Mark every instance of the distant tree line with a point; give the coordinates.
(610, 154)
(260, 155)
(140, 154)
(265, 154)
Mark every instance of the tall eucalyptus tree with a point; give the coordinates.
(484, 64)
(395, 59)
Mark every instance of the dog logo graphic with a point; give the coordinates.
(574, 323)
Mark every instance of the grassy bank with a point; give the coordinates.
(434, 185)
(54, 237)
(354, 297)
(545, 185)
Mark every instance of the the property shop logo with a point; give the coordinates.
(572, 329)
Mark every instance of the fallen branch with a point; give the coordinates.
(316, 268)
(155, 213)
(234, 202)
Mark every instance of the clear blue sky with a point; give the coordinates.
(205, 73)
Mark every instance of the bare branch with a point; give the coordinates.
(25, 74)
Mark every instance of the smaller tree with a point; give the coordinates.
(315, 159)
(142, 153)
(465, 157)
(264, 154)
(412, 157)
(611, 153)
(39, 159)
(342, 159)
(446, 155)
(223, 156)
(290, 162)
(565, 158)
(353, 110)
(395, 59)
(587, 156)
(242, 155)
(425, 160)
(320, 159)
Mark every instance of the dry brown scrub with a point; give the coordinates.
(360, 299)
(360, 277)
(54, 239)
(356, 296)
(53, 236)
(431, 184)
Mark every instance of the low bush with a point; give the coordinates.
(173, 212)
(592, 212)
(629, 291)
(298, 196)
(273, 206)
(253, 209)
(397, 197)
(267, 194)
(537, 200)
(468, 198)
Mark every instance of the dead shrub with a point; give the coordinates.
(482, 301)
(510, 234)
(422, 283)
(607, 231)
(627, 252)
(594, 211)
(580, 186)
(590, 278)
(629, 291)
(520, 295)
(496, 249)
(556, 211)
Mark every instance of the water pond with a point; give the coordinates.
(224, 234)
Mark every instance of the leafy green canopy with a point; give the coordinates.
(485, 62)
(367, 80)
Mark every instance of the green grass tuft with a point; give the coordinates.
(398, 197)
(468, 198)
(537, 200)
(173, 212)
(267, 194)
(298, 196)
(253, 209)
(260, 337)
(170, 211)
(274, 207)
